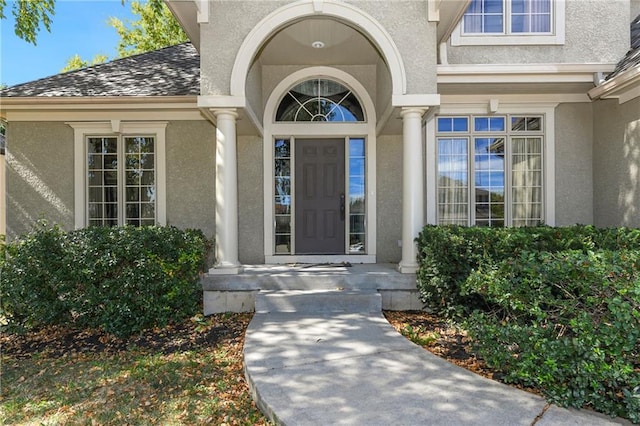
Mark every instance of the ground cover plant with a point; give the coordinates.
(557, 309)
(121, 279)
(189, 372)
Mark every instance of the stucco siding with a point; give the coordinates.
(389, 198)
(231, 22)
(255, 97)
(191, 163)
(617, 163)
(250, 200)
(39, 172)
(574, 159)
(586, 39)
(414, 36)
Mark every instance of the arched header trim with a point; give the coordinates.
(278, 19)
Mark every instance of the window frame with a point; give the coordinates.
(121, 130)
(555, 37)
(471, 135)
(121, 185)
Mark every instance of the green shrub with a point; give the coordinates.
(567, 323)
(448, 254)
(122, 279)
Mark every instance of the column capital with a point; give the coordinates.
(413, 110)
(217, 112)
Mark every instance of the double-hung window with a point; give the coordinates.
(119, 173)
(121, 180)
(511, 22)
(490, 170)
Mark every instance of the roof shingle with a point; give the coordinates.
(632, 58)
(171, 71)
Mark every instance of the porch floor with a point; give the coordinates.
(236, 293)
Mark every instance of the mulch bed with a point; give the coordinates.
(194, 334)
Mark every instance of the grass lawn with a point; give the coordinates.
(189, 373)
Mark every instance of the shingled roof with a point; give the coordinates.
(172, 71)
(632, 58)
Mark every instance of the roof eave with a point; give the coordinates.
(450, 13)
(624, 87)
(111, 103)
(186, 12)
(58, 101)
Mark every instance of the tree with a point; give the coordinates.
(76, 62)
(156, 28)
(29, 15)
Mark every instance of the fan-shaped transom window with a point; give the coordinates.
(320, 100)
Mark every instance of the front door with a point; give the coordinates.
(320, 196)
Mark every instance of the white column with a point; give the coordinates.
(412, 186)
(226, 193)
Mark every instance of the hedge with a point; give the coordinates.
(557, 309)
(448, 254)
(121, 279)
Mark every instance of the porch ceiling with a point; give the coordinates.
(343, 45)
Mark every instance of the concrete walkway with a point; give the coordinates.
(330, 368)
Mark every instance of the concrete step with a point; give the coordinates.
(318, 301)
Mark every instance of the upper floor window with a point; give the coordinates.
(320, 100)
(508, 17)
(491, 22)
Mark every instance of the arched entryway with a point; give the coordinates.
(319, 169)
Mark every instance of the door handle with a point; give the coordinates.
(342, 206)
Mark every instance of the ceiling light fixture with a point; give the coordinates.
(317, 44)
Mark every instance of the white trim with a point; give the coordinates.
(83, 129)
(419, 101)
(624, 86)
(546, 109)
(521, 73)
(351, 258)
(28, 114)
(202, 16)
(273, 129)
(308, 8)
(221, 101)
(556, 37)
(431, 167)
(472, 101)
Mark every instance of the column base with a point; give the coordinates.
(226, 269)
(408, 268)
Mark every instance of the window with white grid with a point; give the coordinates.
(490, 170)
(121, 180)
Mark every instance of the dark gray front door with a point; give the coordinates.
(319, 196)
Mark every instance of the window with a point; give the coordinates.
(282, 179)
(490, 170)
(320, 100)
(507, 17)
(121, 181)
(119, 173)
(357, 195)
(491, 22)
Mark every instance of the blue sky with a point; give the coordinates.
(79, 26)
